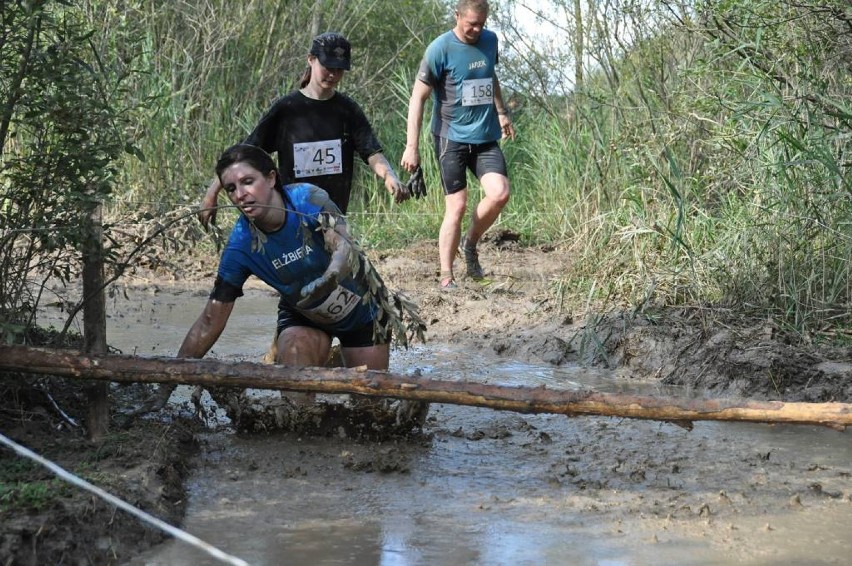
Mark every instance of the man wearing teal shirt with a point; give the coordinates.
(469, 118)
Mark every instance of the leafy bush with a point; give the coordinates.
(61, 134)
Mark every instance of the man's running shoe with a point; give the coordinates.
(447, 283)
(471, 260)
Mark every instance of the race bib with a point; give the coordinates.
(317, 158)
(477, 91)
(335, 307)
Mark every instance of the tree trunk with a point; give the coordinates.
(14, 86)
(94, 322)
(579, 47)
(213, 373)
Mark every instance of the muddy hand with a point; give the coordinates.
(207, 212)
(156, 401)
(401, 194)
(397, 189)
(317, 289)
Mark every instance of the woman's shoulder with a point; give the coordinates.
(240, 234)
(297, 189)
(344, 99)
(303, 189)
(292, 98)
(308, 195)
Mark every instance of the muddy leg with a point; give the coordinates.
(302, 346)
(156, 401)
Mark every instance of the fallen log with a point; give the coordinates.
(214, 373)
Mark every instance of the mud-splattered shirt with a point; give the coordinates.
(316, 141)
(293, 256)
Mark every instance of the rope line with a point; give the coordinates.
(401, 215)
(145, 517)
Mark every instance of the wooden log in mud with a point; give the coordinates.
(214, 373)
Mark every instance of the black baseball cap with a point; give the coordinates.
(332, 50)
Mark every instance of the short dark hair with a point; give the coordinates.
(251, 154)
(478, 6)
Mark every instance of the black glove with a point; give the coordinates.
(317, 289)
(416, 185)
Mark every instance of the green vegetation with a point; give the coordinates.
(19, 491)
(61, 131)
(702, 157)
(27, 485)
(32, 495)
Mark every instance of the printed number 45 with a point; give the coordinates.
(324, 156)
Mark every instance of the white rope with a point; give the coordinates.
(175, 532)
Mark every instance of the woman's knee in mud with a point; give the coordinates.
(303, 346)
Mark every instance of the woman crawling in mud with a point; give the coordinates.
(280, 239)
(294, 238)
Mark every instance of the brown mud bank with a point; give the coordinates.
(704, 349)
(48, 521)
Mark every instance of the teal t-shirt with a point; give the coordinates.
(462, 78)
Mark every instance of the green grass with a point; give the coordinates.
(35, 495)
(684, 173)
(26, 485)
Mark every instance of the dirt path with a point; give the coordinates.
(685, 486)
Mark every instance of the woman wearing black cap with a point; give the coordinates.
(316, 132)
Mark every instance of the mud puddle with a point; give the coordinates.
(488, 487)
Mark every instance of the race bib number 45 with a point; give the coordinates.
(477, 91)
(335, 307)
(317, 158)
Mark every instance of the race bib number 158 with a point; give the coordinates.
(477, 91)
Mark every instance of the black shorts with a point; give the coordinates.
(456, 158)
(360, 337)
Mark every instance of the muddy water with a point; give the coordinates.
(487, 487)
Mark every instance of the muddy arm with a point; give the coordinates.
(206, 329)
